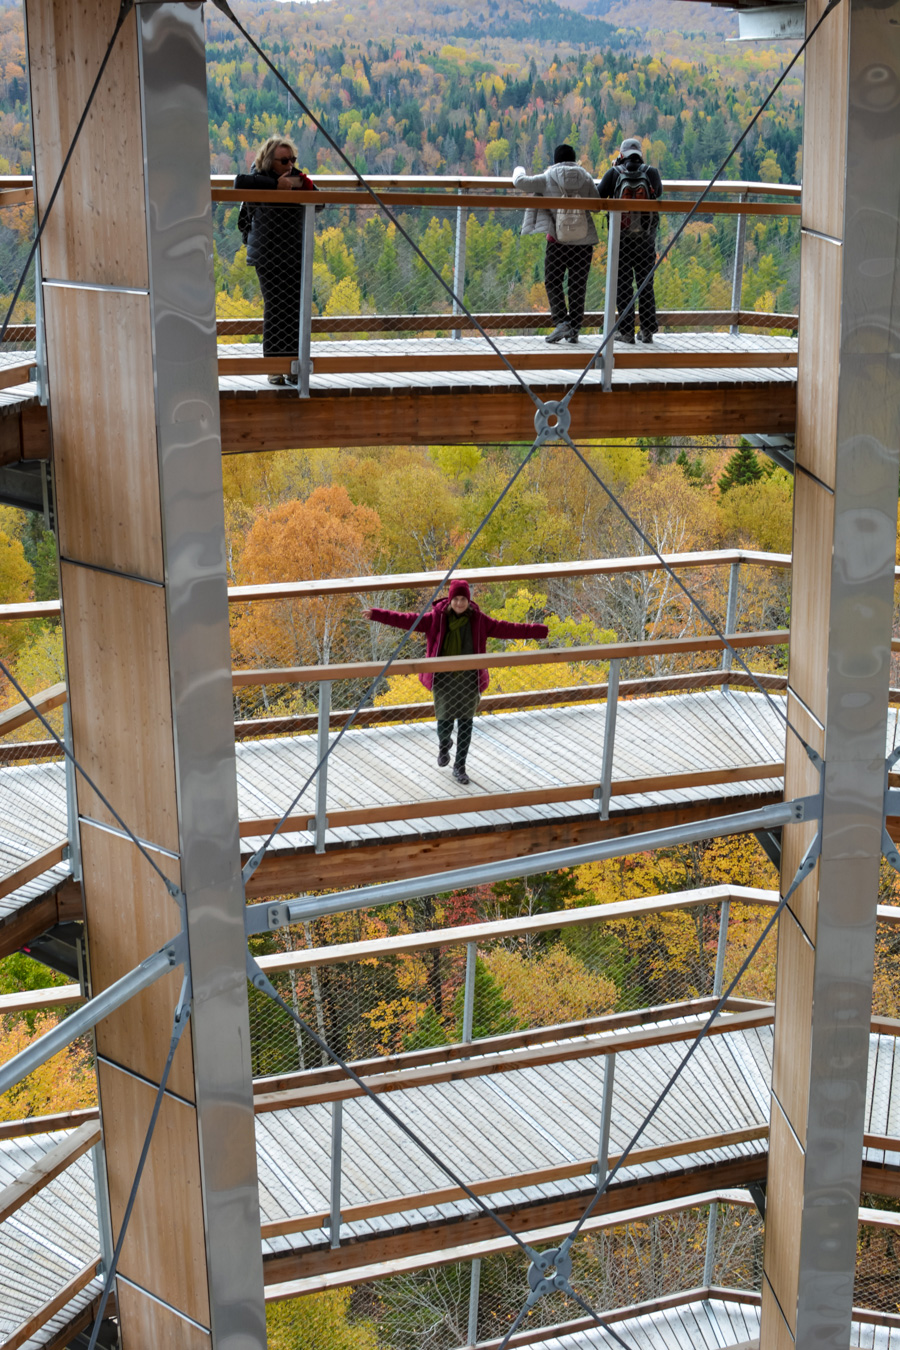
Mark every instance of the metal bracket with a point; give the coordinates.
(549, 1273)
(552, 421)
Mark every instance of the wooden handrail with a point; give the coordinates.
(543, 656)
(355, 324)
(506, 801)
(304, 1223)
(476, 181)
(39, 1319)
(394, 581)
(510, 1040)
(40, 1174)
(514, 201)
(588, 1047)
(498, 929)
(33, 868)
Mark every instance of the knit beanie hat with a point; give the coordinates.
(564, 154)
(459, 587)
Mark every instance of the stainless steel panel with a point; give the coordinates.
(174, 109)
(864, 541)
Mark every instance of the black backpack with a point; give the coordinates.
(245, 219)
(634, 184)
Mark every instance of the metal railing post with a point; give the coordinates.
(609, 738)
(719, 976)
(104, 1215)
(319, 823)
(304, 348)
(709, 1261)
(609, 304)
(40, 344)
(469, 991)
(337, 1139)
(459, 261)
(71, 799)
(474, 1290)
(734, 580)
(737, 282)
(609, 1075)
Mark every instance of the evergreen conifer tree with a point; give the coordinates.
(492, 1013)
(742, 468)
(429, 1031)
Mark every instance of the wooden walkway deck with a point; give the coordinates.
(376, 392)
(388, 766)
(535, 1118)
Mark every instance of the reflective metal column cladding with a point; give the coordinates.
(182, 300)
(129, 303)
(845, 530)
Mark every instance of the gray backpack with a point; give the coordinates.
(571, 225)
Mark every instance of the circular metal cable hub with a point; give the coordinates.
(550, 1271)
(552, 419)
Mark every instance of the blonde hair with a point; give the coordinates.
(265, 156)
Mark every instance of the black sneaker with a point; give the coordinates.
(560, 331)
(625, 337)
(572, 335)
(644, 337)
(459, 773)
(443, 759)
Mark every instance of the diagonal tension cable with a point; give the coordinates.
(174, 890)
(261, 982)
(630, 308)
(252, 864)
(125, 10)
(701, 609)
(180, 1021)
(226, 9)
(802, 872)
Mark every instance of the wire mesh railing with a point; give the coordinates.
(564, 668)
(388, 995)
(361, 298)
(370, 289)
(17, 350)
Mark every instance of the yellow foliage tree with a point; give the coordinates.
(65, 1083)
(555, 987)
(317, 1321)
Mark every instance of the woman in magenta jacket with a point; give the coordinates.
(456, 627)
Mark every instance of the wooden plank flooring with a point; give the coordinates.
(530, 1118)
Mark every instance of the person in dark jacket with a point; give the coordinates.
(637, 245)
(274, 239)
(456, 627)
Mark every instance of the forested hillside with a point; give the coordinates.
(472, 86)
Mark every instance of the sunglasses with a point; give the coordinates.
(285, 159)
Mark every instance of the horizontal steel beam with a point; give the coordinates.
(260, 918)
(86, 1017)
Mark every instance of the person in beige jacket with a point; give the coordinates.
(571, 236)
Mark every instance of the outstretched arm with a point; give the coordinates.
(397, 618)
(502, 628)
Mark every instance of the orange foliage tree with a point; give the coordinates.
(323, 536)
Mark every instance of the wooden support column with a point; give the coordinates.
(129, 303)
(845, 531)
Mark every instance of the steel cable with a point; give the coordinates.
(229, 14)
(260, 853)
(630, 308)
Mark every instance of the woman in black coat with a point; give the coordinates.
(274, 239)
